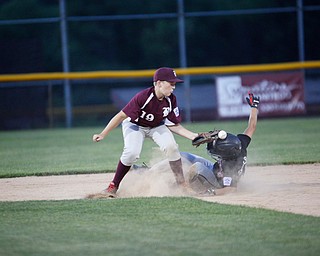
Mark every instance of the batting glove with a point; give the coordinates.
(253, 101)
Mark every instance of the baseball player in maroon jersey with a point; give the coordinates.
(152, 113)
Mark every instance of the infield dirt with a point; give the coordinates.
(288, 188)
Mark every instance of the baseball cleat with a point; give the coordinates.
(109, 192)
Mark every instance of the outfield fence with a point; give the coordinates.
(149, 73)
(89, 86)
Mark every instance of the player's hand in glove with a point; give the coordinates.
(253, 101)
(205, 137)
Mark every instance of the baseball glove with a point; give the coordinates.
(253, 101)
(205, 137)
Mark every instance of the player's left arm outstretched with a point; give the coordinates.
(180, 130)
(253, 102)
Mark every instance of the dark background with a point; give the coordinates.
(137, 44)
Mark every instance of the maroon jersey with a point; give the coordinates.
(145, 109)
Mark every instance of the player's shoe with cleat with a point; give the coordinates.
(111, 191)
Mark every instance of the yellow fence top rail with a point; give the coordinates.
(149, 73)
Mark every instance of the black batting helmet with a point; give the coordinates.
(227, 149)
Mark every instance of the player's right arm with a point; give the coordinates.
(113, 123)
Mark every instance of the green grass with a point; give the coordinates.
(57, 151)
(70, 151)
(152, 226)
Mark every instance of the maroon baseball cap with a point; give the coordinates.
(166, 74)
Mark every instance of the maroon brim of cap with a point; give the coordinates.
(176, 80)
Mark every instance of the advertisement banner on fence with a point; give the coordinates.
(280, 94)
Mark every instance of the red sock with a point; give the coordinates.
(122, 170)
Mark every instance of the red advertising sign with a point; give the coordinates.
(280, 94)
